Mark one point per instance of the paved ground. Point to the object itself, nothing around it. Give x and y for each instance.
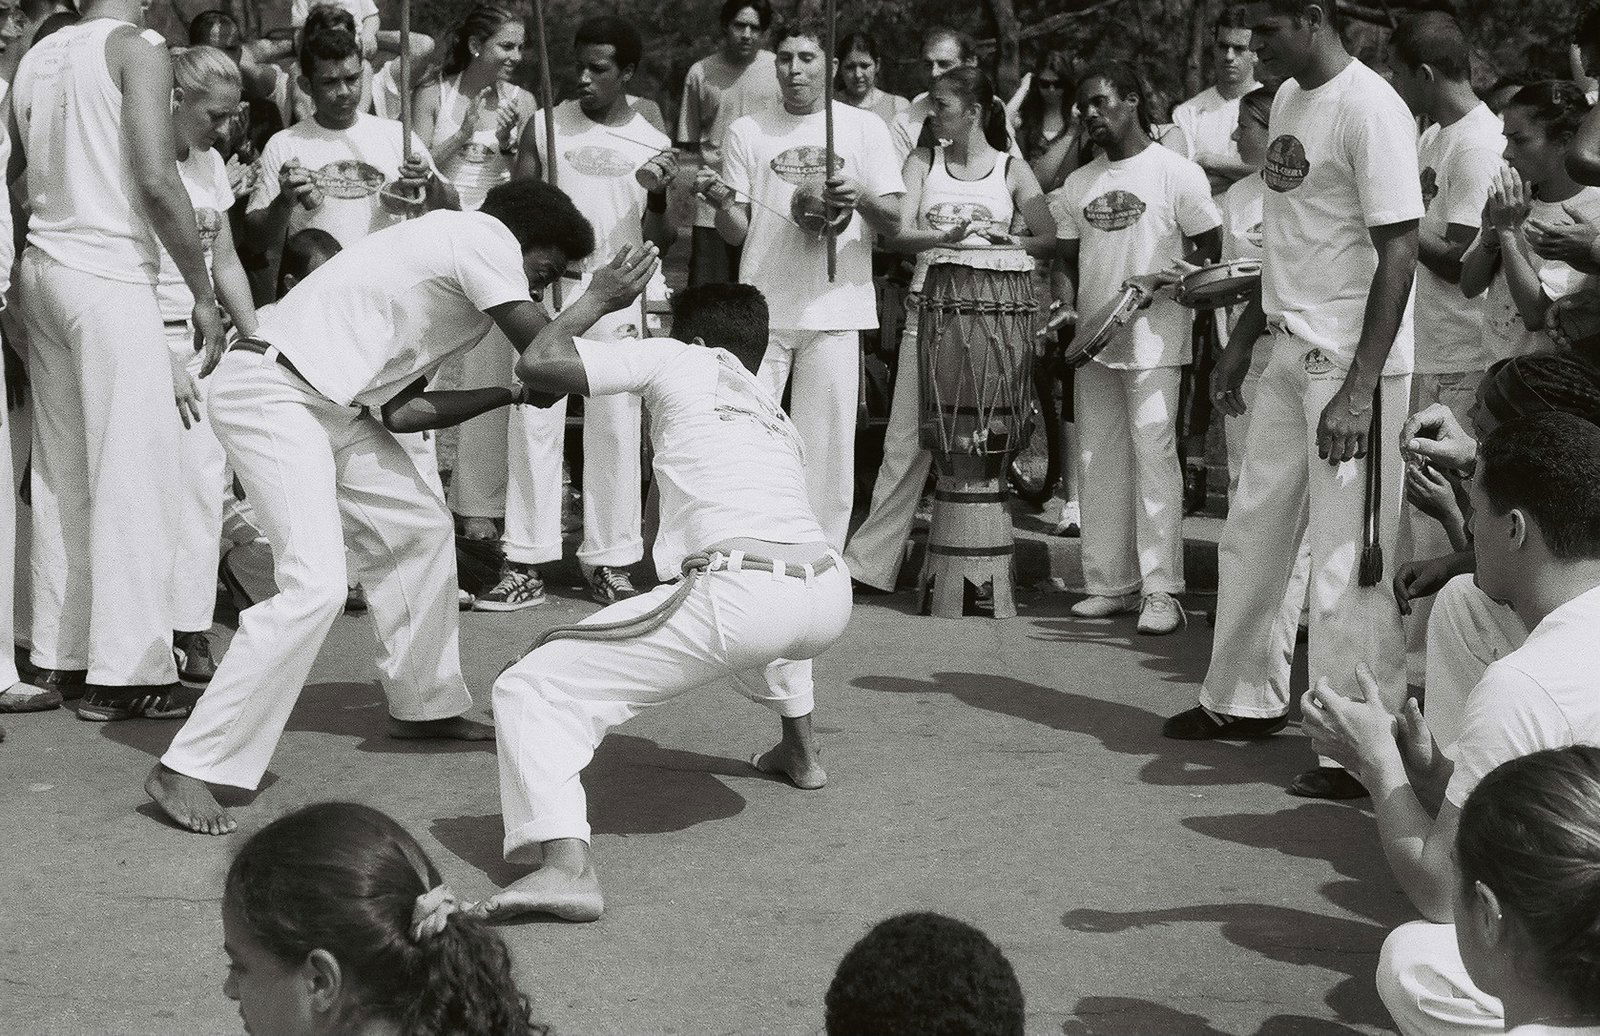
(1008, 773)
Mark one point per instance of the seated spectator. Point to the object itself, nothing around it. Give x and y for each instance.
(335, 920)
(1535, 499)
(928, 975)
(1528, 906)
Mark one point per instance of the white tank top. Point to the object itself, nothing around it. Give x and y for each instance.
(80, 181)
(479, 165)
(946, 201)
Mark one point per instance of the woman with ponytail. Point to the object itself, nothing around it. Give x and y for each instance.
(335, 921)
(968, 193)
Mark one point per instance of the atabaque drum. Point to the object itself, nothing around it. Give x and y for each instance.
(977, 317)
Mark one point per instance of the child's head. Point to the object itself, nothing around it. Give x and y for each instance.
(302, 253)
(924, 973)
(723, 316)
(1539, 122)
(334, 917)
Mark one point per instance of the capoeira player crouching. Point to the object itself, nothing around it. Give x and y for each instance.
(289, 403)
(762, 592)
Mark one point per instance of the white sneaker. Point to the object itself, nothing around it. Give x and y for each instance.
(1160, 614)
(1070, 523)
(1105, 607)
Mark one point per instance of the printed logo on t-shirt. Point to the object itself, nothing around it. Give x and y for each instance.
(1253, 235)
(947, 215)
(805, 164)
(348, 178)
(1114, 210)
(476, 153)
(1316, 362)
(1286, 164)
(1430, 186)
(209, 223)
(602, 162)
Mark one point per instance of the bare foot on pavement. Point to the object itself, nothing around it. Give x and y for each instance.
(188, 802)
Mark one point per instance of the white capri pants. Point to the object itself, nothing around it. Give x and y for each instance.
(200, 479)
(878, 547)
(826, 369)
(105, 430)
(1426, 988)
(1131, 488)
(1287, 493)
(554, 706)
(303, 460)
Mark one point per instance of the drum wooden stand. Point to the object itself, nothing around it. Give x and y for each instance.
(969, 540)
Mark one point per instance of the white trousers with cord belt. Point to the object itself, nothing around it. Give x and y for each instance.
(825, 369)
(303, 460)
(877, 549)
(198, 491)
(104, 433)
(1287, 492)
(554, 706)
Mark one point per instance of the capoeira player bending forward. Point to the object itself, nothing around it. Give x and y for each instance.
(290, 405)
(762, 592)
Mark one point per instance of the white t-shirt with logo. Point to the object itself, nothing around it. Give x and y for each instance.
(1343, 159)
(716, 92)
(1208, 120)
(351, 166)
(728, 460)
(1458, 164)
(1130, 217)
(1542, 695)
(205, 177)
(1504, 333)
(767, 156)
(392, 307)
(1241, 207)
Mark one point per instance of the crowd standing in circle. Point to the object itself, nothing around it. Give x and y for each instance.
(240, 283)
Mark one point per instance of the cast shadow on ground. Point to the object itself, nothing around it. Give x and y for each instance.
(635, 787)
(1338, 835)
(1299, 937)
(227, 798)
(1129, 1016)
(1120, 728)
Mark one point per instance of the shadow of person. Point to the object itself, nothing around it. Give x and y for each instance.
(1121, 728)
(359, 710)
(1335, 834)
(634, 787)
(1298, 937)
(1130, 1016)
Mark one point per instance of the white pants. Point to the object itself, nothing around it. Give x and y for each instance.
(303, 460)
(105, 433)
(1422, 537)
(523, 481)
(1287, 493)
(877, 549)
(826, 369)
(1426, 988)
(199, 477)
(554, 706)
(1131, 489)
(1466, 633)
(8, 532)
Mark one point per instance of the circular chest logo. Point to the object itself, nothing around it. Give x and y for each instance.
(602, 162)
(1114, 210)
(348, 178)
(947, 215)
(209, 223)
(1286, 164)
(1316, 362)
(1430, 186)
(805, 164)
(477, 154)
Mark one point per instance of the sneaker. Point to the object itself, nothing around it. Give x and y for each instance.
(1160, 614)
(1070, 524)
(519, 587)
(192, 652)
(609, 585)
(1105, 607)
(25, 697)
(107, 704)
(1197, 724)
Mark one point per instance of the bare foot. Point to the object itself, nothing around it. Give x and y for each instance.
(801, 768)
(188, 802)
(455, 728)
(479, 529)
(548, 890)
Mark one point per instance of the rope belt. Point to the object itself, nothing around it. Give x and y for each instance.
(260, 348)
(694, 566)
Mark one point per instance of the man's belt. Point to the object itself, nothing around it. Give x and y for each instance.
(260, 348)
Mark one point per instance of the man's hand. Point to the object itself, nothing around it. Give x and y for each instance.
(1430, 492)
(708, 185)
(1358, 735)
(209, 337)
(414, 172)
(1227, 378)
(1418, 750)
(1434, 435)
(186, 392)
(1345, 426)
(842, 193)
(1419, 579)
(1573, 321)
(242, 176)
(1567, 243)
(295, 183)
(618, 283)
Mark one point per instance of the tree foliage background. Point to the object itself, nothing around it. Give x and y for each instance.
(1166, 38)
